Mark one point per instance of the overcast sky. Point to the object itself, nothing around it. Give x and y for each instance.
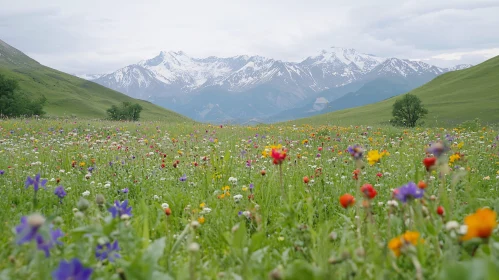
(101, 36)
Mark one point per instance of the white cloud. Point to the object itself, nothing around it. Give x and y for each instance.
(100, 36)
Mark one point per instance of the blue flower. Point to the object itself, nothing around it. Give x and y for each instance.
(73, 270)
(408, 192)
(183, 178)
(28, 229)
(120, 209)
(108, 251)
(46, 243)
(125, 190)
(2, 172)
(60, 192)
(35, 182)
(438, 149)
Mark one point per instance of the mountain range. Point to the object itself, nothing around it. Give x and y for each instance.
(243, 87)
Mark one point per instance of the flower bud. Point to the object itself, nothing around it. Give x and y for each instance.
(36, 220)
(100, 199)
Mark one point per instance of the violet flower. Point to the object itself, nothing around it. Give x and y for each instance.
(108, 251)
(356, 151)
(73, 270)
(120, 209)
(408, 192)
(35, 182)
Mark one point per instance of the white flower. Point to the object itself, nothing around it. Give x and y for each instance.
(233, 180)
(86, 193)
(393, 203)
(194, 247)
(88, 176)
(451, 225)
(238, 197)
(380, 203)
(463, 229)
(62, 171)
(165, 205)
(155, 197)
(107, 185)
(205, 210)
(247, 214)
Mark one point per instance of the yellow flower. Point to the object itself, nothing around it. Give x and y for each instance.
(201, 220)
(453, 158)
(226, 188)
(480, 224)
(244, 188)
(460, 145)
(373, 157)
(202, 205)
(82, 164)
(305, 141)
(408, 238)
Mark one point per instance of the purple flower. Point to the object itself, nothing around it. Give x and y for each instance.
(120, 209)
(60, 192)
(248, 163)
(408, 192)
(183, 178)
(318, 155)
(28, 229)
(46, 243)
(437, 149)
(2, 172)
(73, 270)
(356, 151)
(90, 169)
(108, 251)
(125, 190)
(35, 182)
(251, 186)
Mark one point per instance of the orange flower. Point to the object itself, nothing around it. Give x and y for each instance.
(306, 180)
(347, 200)
(408, 238)
(480, 224)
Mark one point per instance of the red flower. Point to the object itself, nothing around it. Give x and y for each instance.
(278, 155)
(429, 162)
(319, 149)
(422, 185)
(379, 174)
(440, 211)
(368, 191)
(347, 200)
(306, 180)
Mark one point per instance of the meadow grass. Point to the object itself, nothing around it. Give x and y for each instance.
(201, 208)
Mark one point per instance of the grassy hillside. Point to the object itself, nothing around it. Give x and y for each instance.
(68, 95)
(450, 98)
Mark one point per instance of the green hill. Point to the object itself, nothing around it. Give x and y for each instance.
(68, 95)
(450, 99)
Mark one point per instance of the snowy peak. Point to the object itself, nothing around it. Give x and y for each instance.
(335, 55)
(406, 68)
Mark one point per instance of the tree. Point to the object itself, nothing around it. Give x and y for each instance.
(13, 103)
(408, 110)
(127, 111)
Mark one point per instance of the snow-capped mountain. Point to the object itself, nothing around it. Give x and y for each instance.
(179, 82)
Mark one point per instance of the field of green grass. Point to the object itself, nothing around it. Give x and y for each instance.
(68, 95)
(231, 202)
(451, 98)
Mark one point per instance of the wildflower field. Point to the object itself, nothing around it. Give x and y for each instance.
(112, 200)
